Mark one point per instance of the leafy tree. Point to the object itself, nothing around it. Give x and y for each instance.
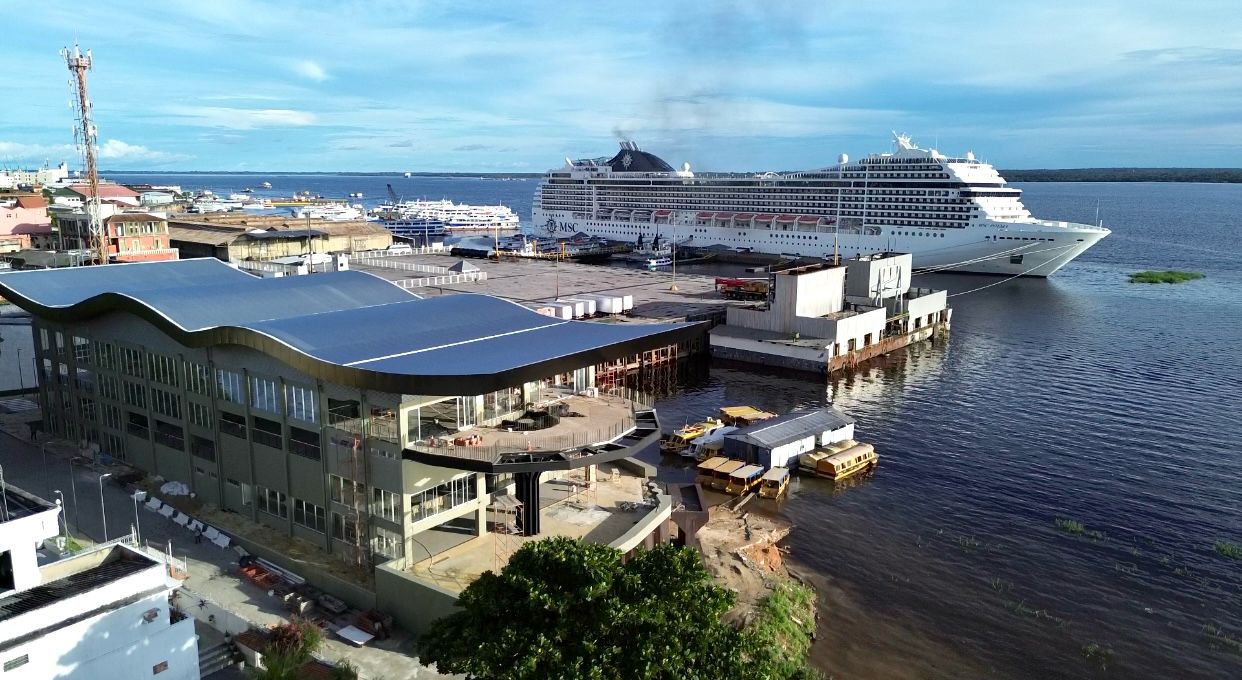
(562, 608)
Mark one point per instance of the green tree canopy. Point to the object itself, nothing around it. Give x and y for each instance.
(566, 609)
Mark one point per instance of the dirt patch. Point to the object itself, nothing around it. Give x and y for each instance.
(741, 551)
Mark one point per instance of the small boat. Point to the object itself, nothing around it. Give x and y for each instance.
(680, 439)
(707, 469)
(656, 262)
(741, 416)
(743, 479)
(247, 190)
(774, 483)
(720, 476)
(266, 185)
(807, 462)
(851, 461)
(708, 445)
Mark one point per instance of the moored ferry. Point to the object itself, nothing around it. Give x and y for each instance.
(952, 213)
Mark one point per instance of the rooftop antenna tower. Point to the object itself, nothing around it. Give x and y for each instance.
(85, 135)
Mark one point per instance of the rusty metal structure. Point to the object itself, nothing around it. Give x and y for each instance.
(86, 137)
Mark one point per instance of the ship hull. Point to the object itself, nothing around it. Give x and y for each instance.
(1035, 249)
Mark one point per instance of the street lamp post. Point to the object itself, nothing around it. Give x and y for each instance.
(21, 377)
(61, 503)
(73, 485)
(103, 512)
(43, 448)
(137, 524)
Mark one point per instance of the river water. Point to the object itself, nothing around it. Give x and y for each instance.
(1080, 397)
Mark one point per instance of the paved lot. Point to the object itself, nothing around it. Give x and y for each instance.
(212, 571)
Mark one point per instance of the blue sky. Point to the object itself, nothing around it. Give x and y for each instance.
(518, 86)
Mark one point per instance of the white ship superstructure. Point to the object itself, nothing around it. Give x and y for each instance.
(950, 213)
(456, 217)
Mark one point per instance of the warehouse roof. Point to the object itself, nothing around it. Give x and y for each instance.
(791, 427)
(347, 327)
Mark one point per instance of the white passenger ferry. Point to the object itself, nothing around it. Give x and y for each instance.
(952, 213)
(456, 217)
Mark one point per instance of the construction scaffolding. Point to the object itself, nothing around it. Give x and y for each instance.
(506, 514)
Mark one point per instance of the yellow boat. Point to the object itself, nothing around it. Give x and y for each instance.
(743, 480)
(680, 439)
(741, 416)
(851, 461)
(707, 468)
(720, 476)
(774, 483)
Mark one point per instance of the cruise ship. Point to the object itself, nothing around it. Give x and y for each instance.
(951, 213)
(456, 217)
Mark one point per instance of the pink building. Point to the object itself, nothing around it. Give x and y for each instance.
(19, 218)
(138, 237)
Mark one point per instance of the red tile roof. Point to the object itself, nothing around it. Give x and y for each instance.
(31, 202)
(105, 191)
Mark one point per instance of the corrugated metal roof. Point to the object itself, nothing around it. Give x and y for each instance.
(349, 320)
(791, 427)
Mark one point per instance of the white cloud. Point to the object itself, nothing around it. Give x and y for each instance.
(309, 69)
(240, 119)
(117, 150)
(21, 152)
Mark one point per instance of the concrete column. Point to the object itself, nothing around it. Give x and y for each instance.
(482, 499)
(528, 493)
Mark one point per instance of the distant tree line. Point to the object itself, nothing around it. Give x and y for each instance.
(1226, 175)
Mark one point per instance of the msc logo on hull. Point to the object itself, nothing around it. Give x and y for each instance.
(552, 226)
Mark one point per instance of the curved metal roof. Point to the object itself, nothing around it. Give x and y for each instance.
(350, 328)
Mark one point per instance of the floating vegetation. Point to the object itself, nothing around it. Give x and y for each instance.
(1227, 549)
(1130, 569)
(1020, 608)
(1219, 638)
(1134, 552)
(967, 544)
(1168, 276)
(1069, 526)
(1100, 654)
(1095, 535)
(999, 584)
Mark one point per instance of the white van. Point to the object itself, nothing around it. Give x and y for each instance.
(400, 249)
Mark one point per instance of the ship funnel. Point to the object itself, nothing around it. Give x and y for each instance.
(970, 155)
(843, 158)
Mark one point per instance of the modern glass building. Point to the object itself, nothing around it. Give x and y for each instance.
(336, 407)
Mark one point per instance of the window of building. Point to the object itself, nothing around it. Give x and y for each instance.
(43, 339)
(135, 393)
(6, 577)
(385, 504)
(301, 403)
(105, 355)
(166, 403)
(272, 502)
(109, 388)
(304, 442)
(19, 661)
(197, 378)
(159, 668)
(233, 424)
(266, 432)
(199, 414)
(443, 497)
(387, 543)
(60, 342)
(112, 445)
(131, 361)
(229, 386)
(264, 394)
(310, 515)
(137, 425)
(86, 409)
(162, 369)
(169, 435)
(202, 447)
(81, 350)
(346, 528)
(111, 416)
(345, 491)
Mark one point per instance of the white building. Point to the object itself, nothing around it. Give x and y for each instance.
(103, 613)
(825, 317)
(149, 198)
(42, 177)
(777, 442)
